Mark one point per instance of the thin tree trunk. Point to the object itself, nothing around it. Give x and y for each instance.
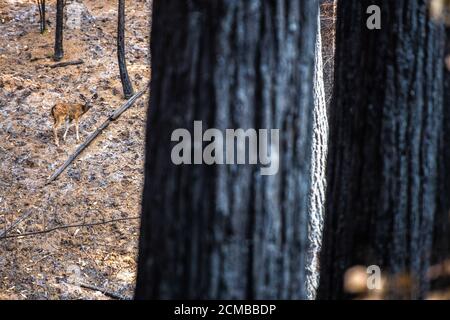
(43, 22)
(225, 231)
(126, 83)
(59, 51)
(385, 125)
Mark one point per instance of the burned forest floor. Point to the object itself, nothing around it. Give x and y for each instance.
(103, 184)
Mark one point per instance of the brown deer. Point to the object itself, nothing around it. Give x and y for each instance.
(66, 112)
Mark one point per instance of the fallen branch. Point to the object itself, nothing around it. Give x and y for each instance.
(104, 292)
(65, 64)
(94, 135)
(15, 223)
(80, 225)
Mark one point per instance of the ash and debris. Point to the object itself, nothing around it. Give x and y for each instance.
(104, 183)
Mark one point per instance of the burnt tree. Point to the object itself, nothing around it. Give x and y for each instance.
(385, 126)
(441, 250)
(225, 231)
(125, 79)
(59, 51)
(42, 9)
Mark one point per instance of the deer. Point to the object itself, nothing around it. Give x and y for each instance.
(68, 113)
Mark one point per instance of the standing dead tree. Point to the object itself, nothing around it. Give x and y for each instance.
(441, 232)
(42, 22)
(125, 79)
(384, 151)
(59, 51)
(225, 231)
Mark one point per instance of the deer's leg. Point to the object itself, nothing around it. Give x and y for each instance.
(77, 130)
(67, 129)
(55, 132)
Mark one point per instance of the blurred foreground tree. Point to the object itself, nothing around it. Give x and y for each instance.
(441, 250)
(225, 231)
(59, 51)
(125, 79)
(385, 128)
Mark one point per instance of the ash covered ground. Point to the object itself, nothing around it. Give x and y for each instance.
(104, 183)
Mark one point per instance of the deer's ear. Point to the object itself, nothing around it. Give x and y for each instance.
(95, 96)
(83, 97)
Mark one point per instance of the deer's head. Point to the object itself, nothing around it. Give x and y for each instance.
(88, 102)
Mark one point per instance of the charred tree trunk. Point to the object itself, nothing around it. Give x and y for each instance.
(42, 9)
(441, 250)
(385, 125)
(59, 51)
(225, 231)
(126, 83)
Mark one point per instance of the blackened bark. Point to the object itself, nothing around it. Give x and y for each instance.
(226, 231)
(59, 51)
(42, 9)
(385, 124)
(43, 21)
(125, 79)
(441, 250)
